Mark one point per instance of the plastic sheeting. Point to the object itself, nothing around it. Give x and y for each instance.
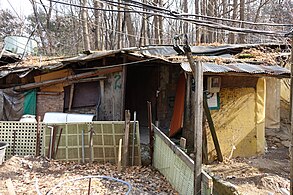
(11, 104)
(14, 104)
(30, 102)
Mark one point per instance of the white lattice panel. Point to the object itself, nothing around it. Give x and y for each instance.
(21, 137)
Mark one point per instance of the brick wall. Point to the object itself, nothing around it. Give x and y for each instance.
(49, 103)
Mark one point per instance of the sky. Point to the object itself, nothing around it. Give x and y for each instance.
(22, 7)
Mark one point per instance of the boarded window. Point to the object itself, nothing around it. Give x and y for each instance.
(85, 94)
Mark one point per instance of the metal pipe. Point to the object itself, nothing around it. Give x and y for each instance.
(51, 141)
(133, 137)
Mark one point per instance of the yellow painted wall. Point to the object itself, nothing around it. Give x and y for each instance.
(240, 122)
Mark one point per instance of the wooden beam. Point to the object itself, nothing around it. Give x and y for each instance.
(126, 139)
(89, 80)
(198, 111)
(71, 97)
(212, 128)
(66, 79)
(291, 117)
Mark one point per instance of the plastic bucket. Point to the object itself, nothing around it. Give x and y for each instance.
(3, 146)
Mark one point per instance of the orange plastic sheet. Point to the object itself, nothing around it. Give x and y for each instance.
(177, 118)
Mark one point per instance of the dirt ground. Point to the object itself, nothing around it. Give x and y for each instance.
(24, 172)
(264, 174)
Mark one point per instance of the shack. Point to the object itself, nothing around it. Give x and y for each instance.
(105, 83)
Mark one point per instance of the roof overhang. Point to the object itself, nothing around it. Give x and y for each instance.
(239, 69)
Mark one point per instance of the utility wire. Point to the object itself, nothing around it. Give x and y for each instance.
(119, 32)
(174, 15)
(198, 15)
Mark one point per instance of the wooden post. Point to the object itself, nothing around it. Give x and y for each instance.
(38, 143)
(58, 142)
(119, 155)
(198, 111)
(71, 97)
(291, 116)
(126, 139)
(212, 128)
(183, 142)
(151, 130)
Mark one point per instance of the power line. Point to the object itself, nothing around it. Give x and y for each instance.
(119, 32)
(199, 15)
(174, 15)
(14, 10)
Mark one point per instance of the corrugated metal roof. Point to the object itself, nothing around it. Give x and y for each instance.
(93, 56)
(240, 68)
(198, 50)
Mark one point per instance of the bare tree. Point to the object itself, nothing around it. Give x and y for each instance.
(85, 30)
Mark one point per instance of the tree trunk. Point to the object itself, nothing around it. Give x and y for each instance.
(185, 10)
(119, 29)
(97, 25)
(39, 28)
(156, 26)
(234, 15)
(85, 30)
(197, 32)
(130, 28)
(242, 8)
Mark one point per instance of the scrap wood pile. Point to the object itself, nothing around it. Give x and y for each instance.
(28, 172)
(264, 174)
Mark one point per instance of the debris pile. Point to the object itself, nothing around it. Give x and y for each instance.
(277, 138)
(264, 174)
(24, 172)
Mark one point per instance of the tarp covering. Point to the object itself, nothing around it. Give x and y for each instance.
(14, 104)
(30, 102)
(11, 104)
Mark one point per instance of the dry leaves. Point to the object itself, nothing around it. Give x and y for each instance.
(25, 171)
